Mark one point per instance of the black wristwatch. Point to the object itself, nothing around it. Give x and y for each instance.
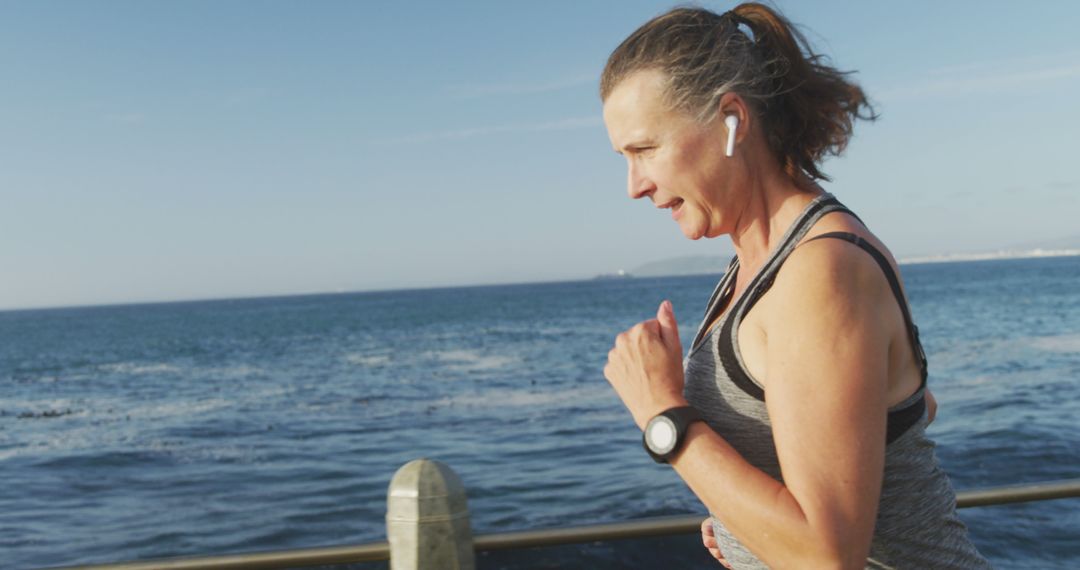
(664, 433)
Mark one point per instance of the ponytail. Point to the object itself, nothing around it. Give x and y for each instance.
(813, 107)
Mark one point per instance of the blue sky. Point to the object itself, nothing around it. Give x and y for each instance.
(180, 150)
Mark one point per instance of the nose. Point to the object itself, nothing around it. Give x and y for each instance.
(638, 184)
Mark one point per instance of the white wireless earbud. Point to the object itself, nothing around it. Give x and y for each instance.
(732, 123)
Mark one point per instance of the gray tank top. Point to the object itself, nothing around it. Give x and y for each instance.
(916, 526)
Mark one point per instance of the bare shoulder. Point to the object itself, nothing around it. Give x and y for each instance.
(823, 268)
(843, 222)
(827, 272)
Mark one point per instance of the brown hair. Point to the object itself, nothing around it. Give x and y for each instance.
(806, 106)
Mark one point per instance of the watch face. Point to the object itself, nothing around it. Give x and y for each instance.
(660, 434)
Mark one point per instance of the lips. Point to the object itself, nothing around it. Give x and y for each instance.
(675, 205)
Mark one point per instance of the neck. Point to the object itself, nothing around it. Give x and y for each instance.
(775, 200)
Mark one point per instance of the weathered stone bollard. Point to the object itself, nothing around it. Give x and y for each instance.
(427, 519)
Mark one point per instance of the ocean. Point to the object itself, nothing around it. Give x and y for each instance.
(197, 428)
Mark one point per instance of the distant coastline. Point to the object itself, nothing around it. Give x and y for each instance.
(701, 265)
(1002, 254)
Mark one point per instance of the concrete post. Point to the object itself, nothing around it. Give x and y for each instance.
(427, 519)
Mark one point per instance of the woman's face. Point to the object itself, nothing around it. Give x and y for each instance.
(673, 160)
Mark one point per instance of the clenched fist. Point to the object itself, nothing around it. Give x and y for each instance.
(645, 366)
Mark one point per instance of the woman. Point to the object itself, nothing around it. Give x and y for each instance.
(799, 417)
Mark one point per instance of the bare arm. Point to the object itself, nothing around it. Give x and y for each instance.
(826, 388)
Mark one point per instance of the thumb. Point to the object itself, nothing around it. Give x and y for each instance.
(669, 329)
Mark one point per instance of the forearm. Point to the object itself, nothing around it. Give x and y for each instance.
(754, 507)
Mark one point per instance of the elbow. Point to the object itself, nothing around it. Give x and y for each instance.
(842, 551)
(836, 553)
(841, 561)
(822, 538)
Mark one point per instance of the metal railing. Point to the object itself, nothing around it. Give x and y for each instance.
(659, 526)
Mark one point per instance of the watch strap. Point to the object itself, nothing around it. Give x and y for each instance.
(681, 417)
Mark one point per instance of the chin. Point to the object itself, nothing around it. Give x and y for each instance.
(694, 234)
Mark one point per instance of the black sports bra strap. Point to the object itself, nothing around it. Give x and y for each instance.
(722, 285)
(764, 280)
(723, 289)
(894, 283)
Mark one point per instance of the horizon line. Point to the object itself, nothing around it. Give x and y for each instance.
(1001, 255)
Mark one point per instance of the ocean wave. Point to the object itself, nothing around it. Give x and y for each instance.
(139, 368)
(468, 360)
(107, 424)
(531, 398)
(362, 359)
(972, 381)
(182, 408)
(87, 447)
(226, 453)
(17, 405)
(1065, 343)
(232, 372)
(984, 353)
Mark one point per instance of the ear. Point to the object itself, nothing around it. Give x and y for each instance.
(733, 104)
